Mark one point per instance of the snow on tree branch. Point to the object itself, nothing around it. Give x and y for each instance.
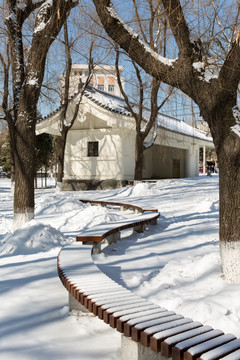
(153, 138)
(114, 15)
(42, 16)
(236, 114)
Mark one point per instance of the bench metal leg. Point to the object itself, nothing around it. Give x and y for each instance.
(153, 222)
(140, 228)
(96, 249)
(112, 238)
(132, 350)
(96, 246)
(75, 305)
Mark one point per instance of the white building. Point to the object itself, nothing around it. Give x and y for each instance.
(104, 78)
(100, 149)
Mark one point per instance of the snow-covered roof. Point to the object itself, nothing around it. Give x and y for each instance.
(117, 104)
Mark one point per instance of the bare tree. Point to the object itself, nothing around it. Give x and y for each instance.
(6, 106)
(207, 69)
(27, 77)
(65, 121)
(143, 125)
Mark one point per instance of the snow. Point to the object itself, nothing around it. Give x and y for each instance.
(42, 18)
(32, 82)
(236, 114)
(163, 60)
(117, 104)
(207, 72)
(174, 264)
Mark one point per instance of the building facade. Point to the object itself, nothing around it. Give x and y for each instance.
(104, 78)
(100, 149)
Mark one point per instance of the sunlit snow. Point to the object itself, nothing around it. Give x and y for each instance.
(175, 264)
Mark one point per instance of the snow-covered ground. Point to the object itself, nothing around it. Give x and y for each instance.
(175, 263)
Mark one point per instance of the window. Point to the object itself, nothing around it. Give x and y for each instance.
(111, 88)
(77, 73)
(93, 148)
(100, 87)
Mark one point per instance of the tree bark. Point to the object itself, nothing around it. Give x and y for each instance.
(24, 160)
(227, 146)
(139, 148)
(27, 78)
(60, 150)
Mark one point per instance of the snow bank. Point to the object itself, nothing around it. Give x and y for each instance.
(32, 238)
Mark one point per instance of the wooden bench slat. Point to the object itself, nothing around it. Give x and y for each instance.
(110, 295)
(116, 305)
(115, 309)
(146, 307)
(133, 322)
(169, 342)
(123, 319)
(197, 350)
(136, 310)
(156, 341)
(117, 300)
(148, 325)
(145, 335)
(112, 309)
(156, 310)
(179, 349)
(93, 305)
(221, 350)
(233, 356)
(133, 310)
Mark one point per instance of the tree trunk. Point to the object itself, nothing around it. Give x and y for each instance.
(229, 191)
(61, 144)
(228, 152)
(12, 144)
(139, 147)
(24, 159)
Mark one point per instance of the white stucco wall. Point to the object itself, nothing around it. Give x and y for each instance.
(115, 160)
(192, 161)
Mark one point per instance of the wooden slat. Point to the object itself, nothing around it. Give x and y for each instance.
(222, 350)
(148, 325)
(157, 339)
(123, 319)
(145, 335)
(196, 351)
(172, 340)
(235, 355)
(133, 307)
(182, 346)
(135, 322)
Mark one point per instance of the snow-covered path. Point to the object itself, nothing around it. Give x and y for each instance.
(175, 264)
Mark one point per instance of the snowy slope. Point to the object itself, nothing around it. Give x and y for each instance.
(175, 264)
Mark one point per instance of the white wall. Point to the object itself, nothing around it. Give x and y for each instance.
(115, 160)
(192, 161)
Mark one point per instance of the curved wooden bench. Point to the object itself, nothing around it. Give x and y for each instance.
(148, 330)
(110, 232)
(122, 206)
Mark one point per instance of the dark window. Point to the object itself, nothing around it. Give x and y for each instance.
(101, 87)
(93, 148)
(111, 88)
